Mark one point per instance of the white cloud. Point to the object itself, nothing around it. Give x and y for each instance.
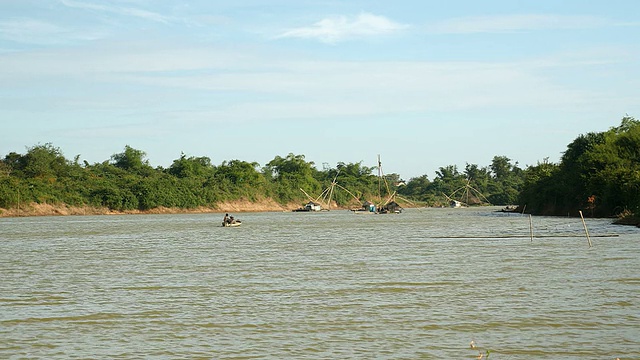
(515, 23)
(250, 85)
(338, 28)
(30, 31)
(126, 11)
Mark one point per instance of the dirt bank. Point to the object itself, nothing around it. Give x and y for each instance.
(36, 209)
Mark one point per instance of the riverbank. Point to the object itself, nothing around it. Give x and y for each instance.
(35, 209)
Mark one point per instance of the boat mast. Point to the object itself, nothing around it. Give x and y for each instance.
(381, 179)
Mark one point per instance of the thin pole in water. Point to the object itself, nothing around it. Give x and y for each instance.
(585, 227)
(531, 227)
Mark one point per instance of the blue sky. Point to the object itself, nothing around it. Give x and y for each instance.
(425, 84)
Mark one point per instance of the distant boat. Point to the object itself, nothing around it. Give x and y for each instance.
(390, 206)
(466, 196)
(511, 208)
(310, 206)
(231, 222)
(324, 199)
(367, 208)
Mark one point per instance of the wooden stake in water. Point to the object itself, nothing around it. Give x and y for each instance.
(585, 228)
(531, 227)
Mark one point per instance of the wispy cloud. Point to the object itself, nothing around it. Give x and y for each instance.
(297, 89)
(125, 11)
(30, 31)
(339, 28)
(515, 23)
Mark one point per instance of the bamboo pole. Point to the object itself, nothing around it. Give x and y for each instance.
(349, 192)
(333, 184)
(308, 196)
(585, 227)
(330, 195)
(531, 227)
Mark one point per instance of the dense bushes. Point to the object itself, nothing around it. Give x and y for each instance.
(497, 184)
(128, 182)
(598, 173)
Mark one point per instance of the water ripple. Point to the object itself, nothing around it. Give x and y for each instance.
(422, 284)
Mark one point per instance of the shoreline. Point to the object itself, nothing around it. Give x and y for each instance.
(238, 206)
(35, 209)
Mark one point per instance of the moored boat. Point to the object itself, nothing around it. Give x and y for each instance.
(310, 206)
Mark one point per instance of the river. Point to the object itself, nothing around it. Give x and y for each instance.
(422, 284)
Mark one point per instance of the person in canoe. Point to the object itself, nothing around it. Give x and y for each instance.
(230, 221)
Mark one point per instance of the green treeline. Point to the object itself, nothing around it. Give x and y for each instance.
(127, 182)
(598, 173)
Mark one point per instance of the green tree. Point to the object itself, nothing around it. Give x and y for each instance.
(289, 175)
(356, 183)
(501, 167)
(447, 181)
(191, 167)
(131, 160)
(241, 179)
(479, 178)
(507, 181)
(598, 171)
(40, 161)
(613, 175)
(540, 191)
(417, 188)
